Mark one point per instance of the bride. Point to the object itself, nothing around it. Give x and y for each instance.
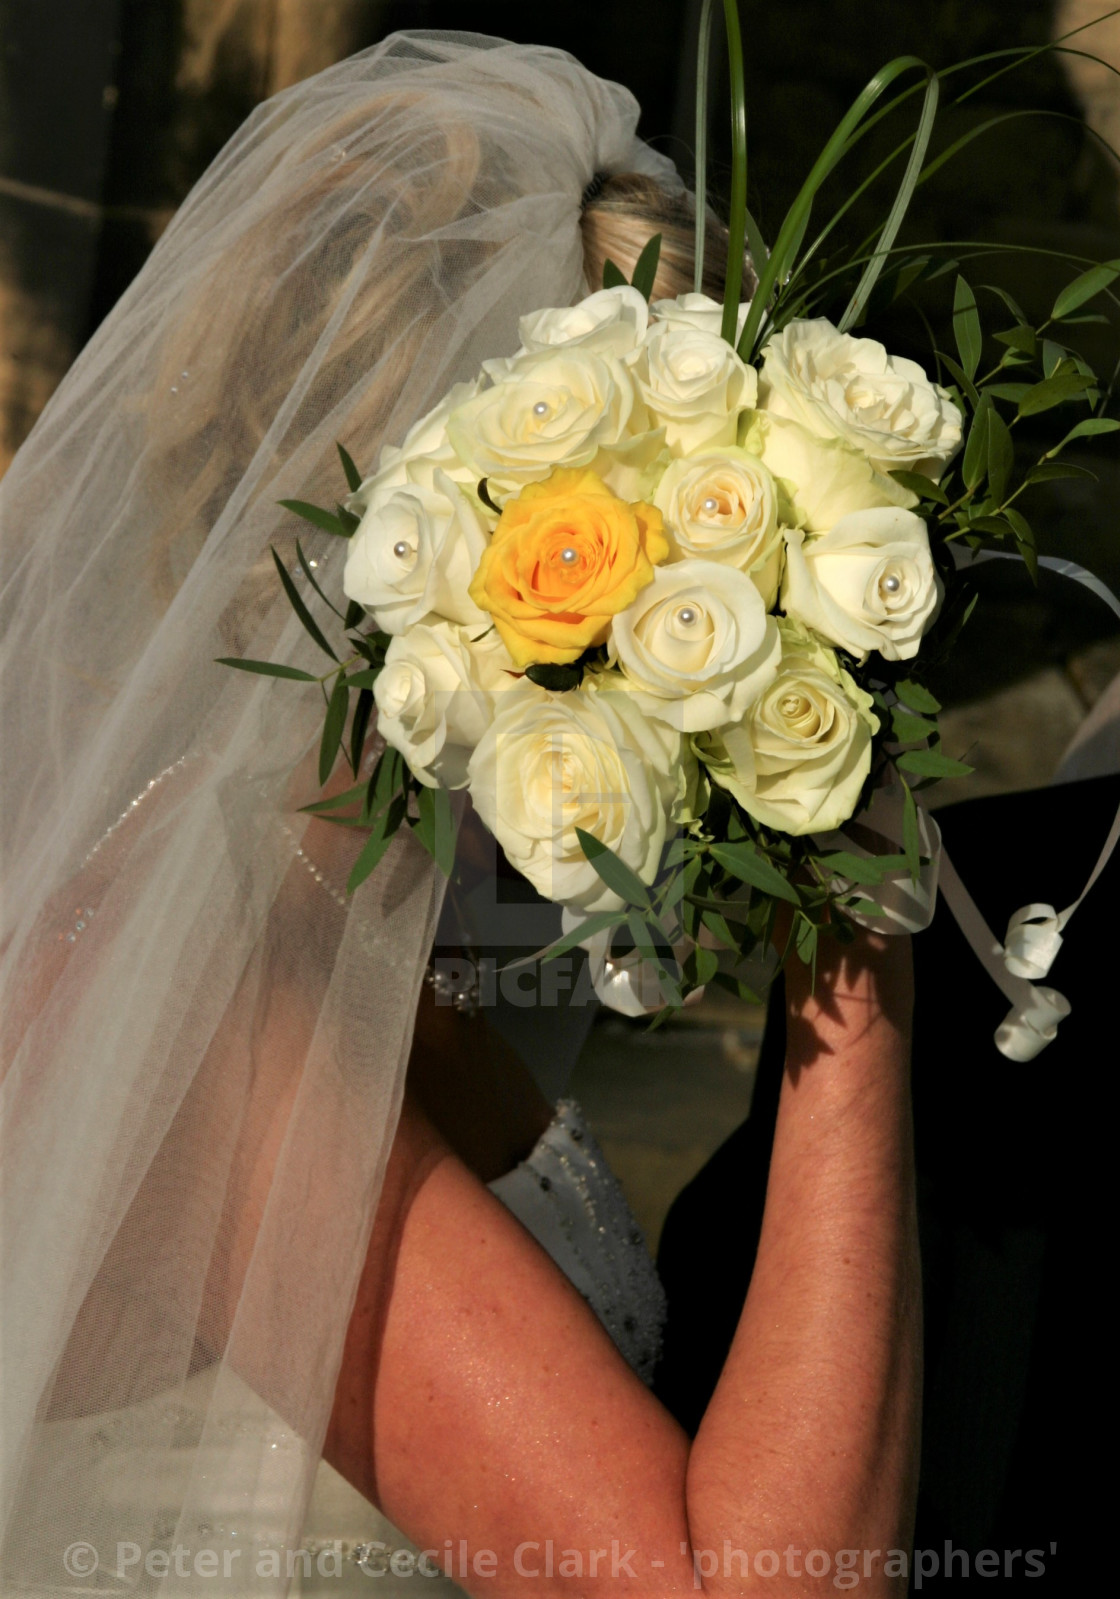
(246, 1220)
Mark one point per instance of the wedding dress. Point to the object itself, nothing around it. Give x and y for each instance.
(203, 1052)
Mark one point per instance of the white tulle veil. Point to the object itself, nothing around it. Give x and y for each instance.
(203, 1040)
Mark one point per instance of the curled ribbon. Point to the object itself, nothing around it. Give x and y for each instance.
(1034, 937)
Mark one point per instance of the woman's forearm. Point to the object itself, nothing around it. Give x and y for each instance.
(811, 1437)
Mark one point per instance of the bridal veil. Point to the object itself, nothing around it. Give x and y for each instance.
(203, 1038)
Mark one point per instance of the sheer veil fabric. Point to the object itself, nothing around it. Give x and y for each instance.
(203, 1040)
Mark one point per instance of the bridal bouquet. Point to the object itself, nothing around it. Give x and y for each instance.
(657, 591)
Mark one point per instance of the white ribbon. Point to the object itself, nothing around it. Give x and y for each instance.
(906, 906)
(1034, 932)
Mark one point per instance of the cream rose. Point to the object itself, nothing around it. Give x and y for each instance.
(610, 322)
(847, 388)
(550, 763)
(722, 506)
(425, 450)
(556, 408)
(868, 584)
(800, 758)
(698, 644)
(435, 697)
(414, 555)
(694, 385)
(821, 480)
(698, 311)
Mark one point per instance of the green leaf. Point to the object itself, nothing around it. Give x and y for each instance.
(910, 729)
(359, 727)
(267, 669)
(337, 707)
(923, 487)
(615, 873)
(1007, 391)
(1012, 305)
(975, 462)
(916, 697)
(1090, 428)
(309, 574)
(966, 327)
(928, 763)
(706, 963)
(735, 986)
(377, 842)
(384, 782)
(806, 940)
(857, 869)
(1052, 357)
(1048, 471)
(319, 518)
(364, 679)
(613, 278)
(901, 202)
(746, 863)
(1084, 288)
(596, 923)
(351, 522)
(296, 601)
(646, 943)
(1053, 391)
(355, 613)
(645, 268)
(1001, 455)
(784, 254)
(435, 826)
(1022, 338)
(717, 925)
(966, 384)
(672, 894)
(911, 836)
(349, 798)
(353, 476)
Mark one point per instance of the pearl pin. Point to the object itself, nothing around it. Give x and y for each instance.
(400, 549)
(710, 504)
(541, 408)
(569, 556)
(686, 616)
(891, 584)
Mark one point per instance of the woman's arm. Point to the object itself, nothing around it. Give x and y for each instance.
(481, 1401)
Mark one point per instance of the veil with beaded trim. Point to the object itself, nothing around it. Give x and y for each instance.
(202, 1051)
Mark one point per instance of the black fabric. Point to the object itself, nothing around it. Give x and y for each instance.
(1013, 1172)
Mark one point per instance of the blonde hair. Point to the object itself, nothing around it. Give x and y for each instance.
(625, 213)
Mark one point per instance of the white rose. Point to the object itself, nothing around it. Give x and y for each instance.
(610, 322)
(697, 311)
(414, 554)
(555, 408)
(426, 449)
(848, 388)
(821, 480)
(695, 385)
(799, 760)
(722, 506)
(698, 643)
(550, 763)
(435, 697)
(868, 584)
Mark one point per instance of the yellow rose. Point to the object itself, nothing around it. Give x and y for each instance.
(566, 556)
